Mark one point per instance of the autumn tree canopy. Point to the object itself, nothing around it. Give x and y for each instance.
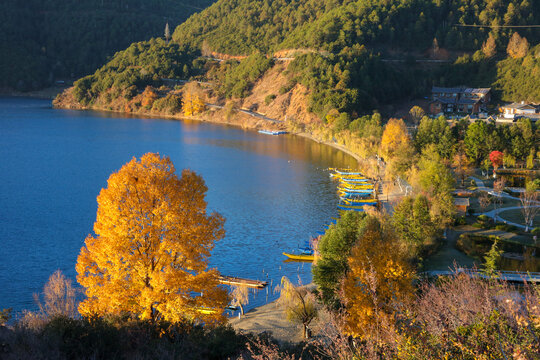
(153, 239)
(379, 281)
(394, 137)
(496, 158)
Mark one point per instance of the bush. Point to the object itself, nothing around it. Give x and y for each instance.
(483, 218)
(460, 221)
(535, 231)
(505, 227)
(269, 98)
(121, 338)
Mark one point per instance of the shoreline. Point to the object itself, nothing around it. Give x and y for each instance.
(331, 144)
(253, 123)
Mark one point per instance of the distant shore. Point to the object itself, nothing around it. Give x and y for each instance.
(48, 93)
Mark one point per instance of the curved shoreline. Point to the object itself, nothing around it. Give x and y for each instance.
(252, 126)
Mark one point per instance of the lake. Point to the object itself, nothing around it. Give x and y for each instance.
(274, 191)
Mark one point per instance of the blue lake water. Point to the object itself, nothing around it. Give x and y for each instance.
(274, 191)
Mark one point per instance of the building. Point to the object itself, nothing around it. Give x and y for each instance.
(462, 205)
(459, 99)
(514, 111)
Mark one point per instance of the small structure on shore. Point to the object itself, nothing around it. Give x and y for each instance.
(232, 280)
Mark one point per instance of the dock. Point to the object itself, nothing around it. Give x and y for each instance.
(232, 280)
(510, 276)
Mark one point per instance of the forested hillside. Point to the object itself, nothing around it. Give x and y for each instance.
(241, 26)
(351, 56)
(46, 40)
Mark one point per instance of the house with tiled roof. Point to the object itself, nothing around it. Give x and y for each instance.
(459, 99)
(522, 109)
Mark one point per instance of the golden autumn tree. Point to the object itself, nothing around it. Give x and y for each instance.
(153, 239)
(394, 137)
(378, 282)
(192, 104)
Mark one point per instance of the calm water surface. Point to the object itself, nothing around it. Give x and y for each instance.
(273, 191)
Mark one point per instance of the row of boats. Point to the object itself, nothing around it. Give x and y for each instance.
(355, 192)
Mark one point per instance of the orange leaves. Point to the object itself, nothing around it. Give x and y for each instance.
(148, 97)
(153, 239)
(379, 281)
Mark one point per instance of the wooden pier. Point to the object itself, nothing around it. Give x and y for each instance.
(510, 276)
(231, 280)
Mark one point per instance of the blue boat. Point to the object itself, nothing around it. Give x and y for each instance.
(357, 181)
(272, 132)
(356, 191)
(355, 207)
(347, 173)
(348, 196)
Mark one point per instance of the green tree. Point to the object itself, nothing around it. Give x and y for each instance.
(434, 179)
(334, 248)
(413, 224)
(491, 259)
(434, 131)
(475, 141)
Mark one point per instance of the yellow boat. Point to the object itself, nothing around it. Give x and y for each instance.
(300, 257)
(206, 311)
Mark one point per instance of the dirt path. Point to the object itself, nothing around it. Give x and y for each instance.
(448, 255)
(271, 318)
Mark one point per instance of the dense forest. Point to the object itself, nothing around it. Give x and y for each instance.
(44, 41)
(353, 56)
(238, 27)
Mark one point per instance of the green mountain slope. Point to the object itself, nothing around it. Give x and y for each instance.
(351, 56)
(44, 40)
(239, 27)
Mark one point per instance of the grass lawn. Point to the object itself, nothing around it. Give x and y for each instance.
(517, 217)
(505, 203)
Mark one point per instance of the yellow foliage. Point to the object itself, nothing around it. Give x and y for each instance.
(192, 104)
(517, 46)
(379, 280)
(394, 137)
(148, 97)
(153, 239)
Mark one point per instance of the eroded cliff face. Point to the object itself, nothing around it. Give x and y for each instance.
(268, 96)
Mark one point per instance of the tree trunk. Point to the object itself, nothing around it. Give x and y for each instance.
(241, 309)
(307, 333)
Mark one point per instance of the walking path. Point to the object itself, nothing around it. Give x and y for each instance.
(481, 187)
(494, 214)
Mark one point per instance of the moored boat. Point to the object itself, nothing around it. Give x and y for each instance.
(272, 132)
(300, 257)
